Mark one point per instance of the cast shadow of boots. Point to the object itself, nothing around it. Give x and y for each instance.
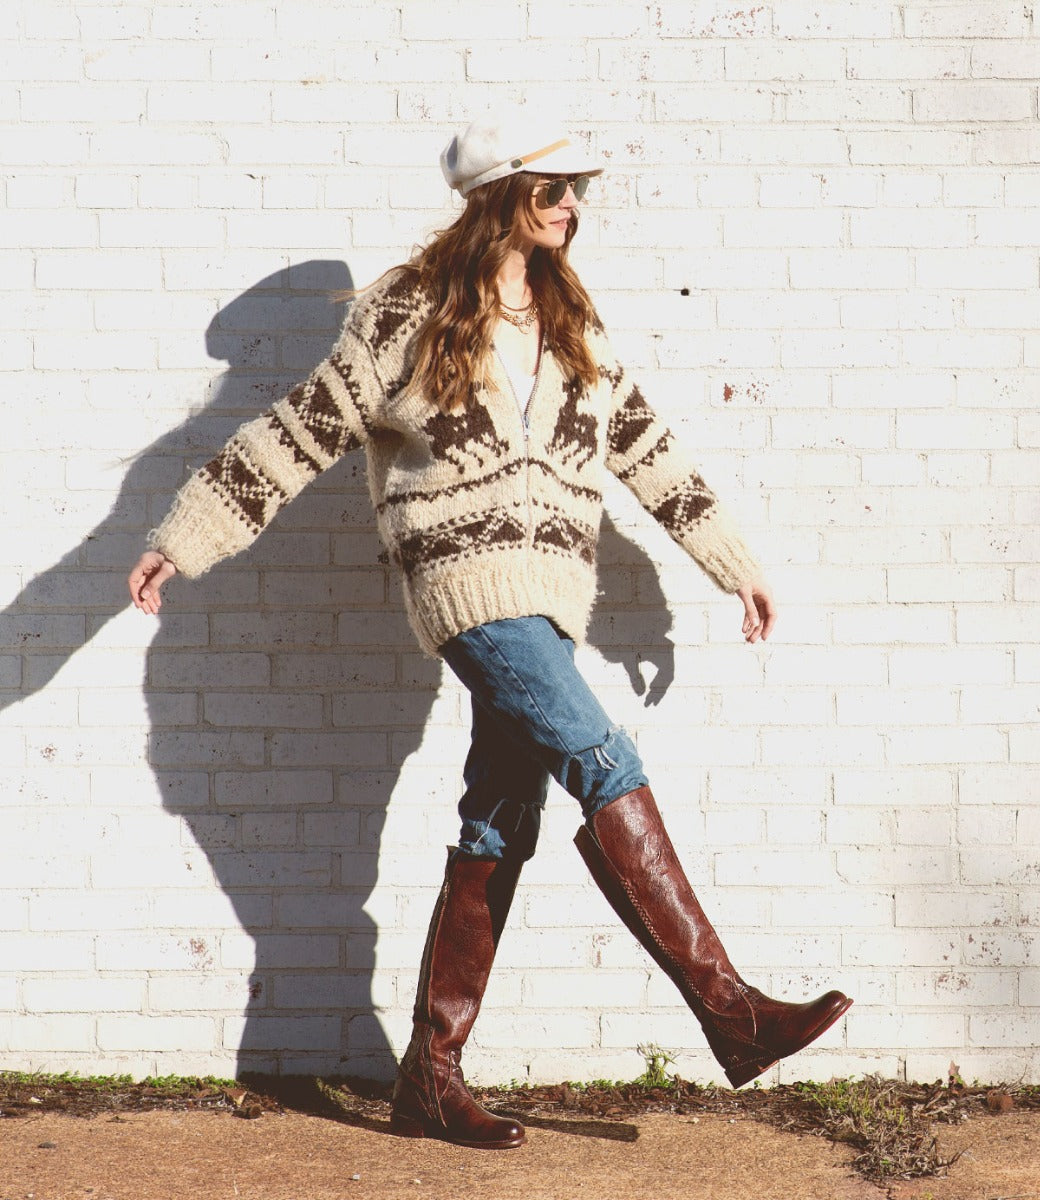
(276, 733)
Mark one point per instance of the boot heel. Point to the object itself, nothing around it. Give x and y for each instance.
(407, 1127)
(745, 1072)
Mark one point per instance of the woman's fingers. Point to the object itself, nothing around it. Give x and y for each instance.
(146, 579)
(759, 610)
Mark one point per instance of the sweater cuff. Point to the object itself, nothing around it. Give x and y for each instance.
(198, 531)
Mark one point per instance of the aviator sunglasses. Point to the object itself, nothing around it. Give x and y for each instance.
(552, 191)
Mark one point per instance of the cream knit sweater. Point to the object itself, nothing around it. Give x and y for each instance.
(490, 512)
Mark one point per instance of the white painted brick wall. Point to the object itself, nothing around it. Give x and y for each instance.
(223, 833)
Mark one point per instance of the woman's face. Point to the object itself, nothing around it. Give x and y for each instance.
(544, 224)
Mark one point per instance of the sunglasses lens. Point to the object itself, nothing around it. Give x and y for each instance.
(555, 192)
(556, 189)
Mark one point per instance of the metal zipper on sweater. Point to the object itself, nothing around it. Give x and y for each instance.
(524, 412)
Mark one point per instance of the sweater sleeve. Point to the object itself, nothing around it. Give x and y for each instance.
(644, 454)
(268, 461)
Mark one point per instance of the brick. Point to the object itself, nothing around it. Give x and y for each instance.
(860, 826)
(914, 228)
(921, 866)
(268, 710)
(1000, 705)
(949, 665)
(936, 745)
(927, 584)
(998, 784)
(785, 147)
(704, 20)
(922, 147)
(658, 61)
(780, 787)
(121, 1033)
(46, 60)
(728, 102)
(925, 828)
(955, 988)
(1027, 664)
(922, 948)
(993, 948)
(1005, 1029)
(774, 868)
(849, 269)
(1012, 146)
(783, 60)
(986, 826)
(91, 995)
(907, 60)
(972, 102)
(848, 103)
(544, 989)
(954, 431)
(1004, 60)
(998, 20)
(869, 1030)
(42, 1034)
(992, 623)
(959, 468)
(993, 1067)
(110, 23)
(974, 268)
(976, 189)
(850, 189)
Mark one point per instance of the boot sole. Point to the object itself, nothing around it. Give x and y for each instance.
(406, 1127)
(745, 1072)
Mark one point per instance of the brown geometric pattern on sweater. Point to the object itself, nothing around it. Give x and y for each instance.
(244, 487)
(568, 536)
(458, 537)
(286, 439)
(321, 416)
(455, 489)
(467, 439)
(645, 461)
(629, 423)
(399, 305)
(574, 436)
(685, 507)
(592, 495)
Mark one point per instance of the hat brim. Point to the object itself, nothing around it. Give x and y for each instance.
(568, 160)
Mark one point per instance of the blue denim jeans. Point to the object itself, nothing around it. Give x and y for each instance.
(534, 718)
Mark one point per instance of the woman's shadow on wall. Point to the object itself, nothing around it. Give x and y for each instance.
(285, 694)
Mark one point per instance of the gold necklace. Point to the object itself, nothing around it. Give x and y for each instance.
(519, 318)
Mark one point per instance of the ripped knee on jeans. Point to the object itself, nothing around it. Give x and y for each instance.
(604, 772)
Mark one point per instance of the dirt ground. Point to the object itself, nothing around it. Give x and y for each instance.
(211, 1155)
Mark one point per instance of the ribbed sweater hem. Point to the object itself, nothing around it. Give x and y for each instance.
(498, 588)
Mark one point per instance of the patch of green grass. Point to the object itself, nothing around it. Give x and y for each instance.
(657, 1061)
(174, 1085)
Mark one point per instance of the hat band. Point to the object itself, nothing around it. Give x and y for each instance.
(517, 163)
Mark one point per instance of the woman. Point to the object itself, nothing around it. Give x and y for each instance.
(480, 383)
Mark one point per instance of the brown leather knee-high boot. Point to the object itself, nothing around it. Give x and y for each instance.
(430, 1096)
(631, 857)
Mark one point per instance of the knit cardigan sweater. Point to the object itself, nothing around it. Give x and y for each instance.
(489, 512)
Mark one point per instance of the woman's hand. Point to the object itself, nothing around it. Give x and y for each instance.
(759, 609)
(146, 580)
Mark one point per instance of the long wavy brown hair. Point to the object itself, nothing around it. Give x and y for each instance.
(458, 269)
